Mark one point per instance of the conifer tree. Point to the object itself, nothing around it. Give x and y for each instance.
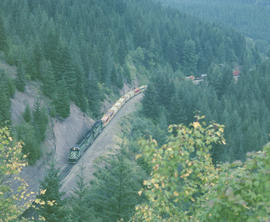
(40, 120)
(53, 209)
(20, 80)
(27, 114)
(4, 100)
(48, 79)
(26, 133)
(79, 209)
(189, 56)
(3, 37)
(4, 108)
(61, 101)
(113, 192)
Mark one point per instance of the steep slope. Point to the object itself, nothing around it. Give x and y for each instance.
(105, 143)
(60, 136)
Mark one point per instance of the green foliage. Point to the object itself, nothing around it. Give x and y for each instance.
(33, 131)
(184, 183)
(189, 56)
(3, 36)
(20, 80)
(27, 114)
(6, 88)
(249, 17)
(51, 206)
(242, 106)
(113, 192)
(26, 133)
(241, 192)
(48, 79)
(79, 209)
(54, 42)
(12, 161)
(40, 121)
(61, 100)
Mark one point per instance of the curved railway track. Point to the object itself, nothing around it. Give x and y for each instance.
(102, 145)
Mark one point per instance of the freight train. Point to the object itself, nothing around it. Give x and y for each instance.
(76, 151)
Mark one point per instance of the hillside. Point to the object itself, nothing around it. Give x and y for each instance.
(251, 17)
(78, 55)
(63, 63)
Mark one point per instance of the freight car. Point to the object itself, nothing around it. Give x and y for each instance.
(76, 151)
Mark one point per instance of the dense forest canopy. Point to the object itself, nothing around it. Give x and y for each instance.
(250, 17)
(83, 51)
(242, 106)
(77, 51)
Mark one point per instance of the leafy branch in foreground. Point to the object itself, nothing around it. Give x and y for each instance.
(185, 185)
(12, 161)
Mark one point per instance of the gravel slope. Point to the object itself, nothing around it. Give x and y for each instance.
(102, 145)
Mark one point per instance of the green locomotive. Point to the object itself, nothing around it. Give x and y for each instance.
(76, 151)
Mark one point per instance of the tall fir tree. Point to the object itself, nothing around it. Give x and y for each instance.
(53, 209)
(20, 80)
(79, 209)
(27, 114)
(61, 100)
(48, 79)
(113, 193)
(190, 58)
(3, 36)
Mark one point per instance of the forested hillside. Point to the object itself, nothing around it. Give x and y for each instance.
(250, 17)
(200, 168)
(242, 106)
(78, 50)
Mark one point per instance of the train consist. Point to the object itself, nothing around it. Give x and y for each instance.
(76, 151)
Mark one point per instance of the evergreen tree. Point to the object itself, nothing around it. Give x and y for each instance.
(40, 120)
(4, 108)
(150, 104)
(93, 94)
(53, 209)
(20, 80)
(113, 193)
(189, 57)
(26, 133)
(48, 79)
(3, 37)
(61, 101)
(80, 99)
(4, 100)
(27, 114)
(80, 211)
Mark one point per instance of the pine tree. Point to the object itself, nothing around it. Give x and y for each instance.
(48, 79)
(113, 192)
(150, 104)
(40, 120)
(53, 209)
(94, 95)
(4, 100)
(79, 209)
(189, 57)
(107, 65)
(27, 114)
(79, 93)
(3, 37)
(26, 133)
(61, 101)
(20, 80)
(4, 108)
